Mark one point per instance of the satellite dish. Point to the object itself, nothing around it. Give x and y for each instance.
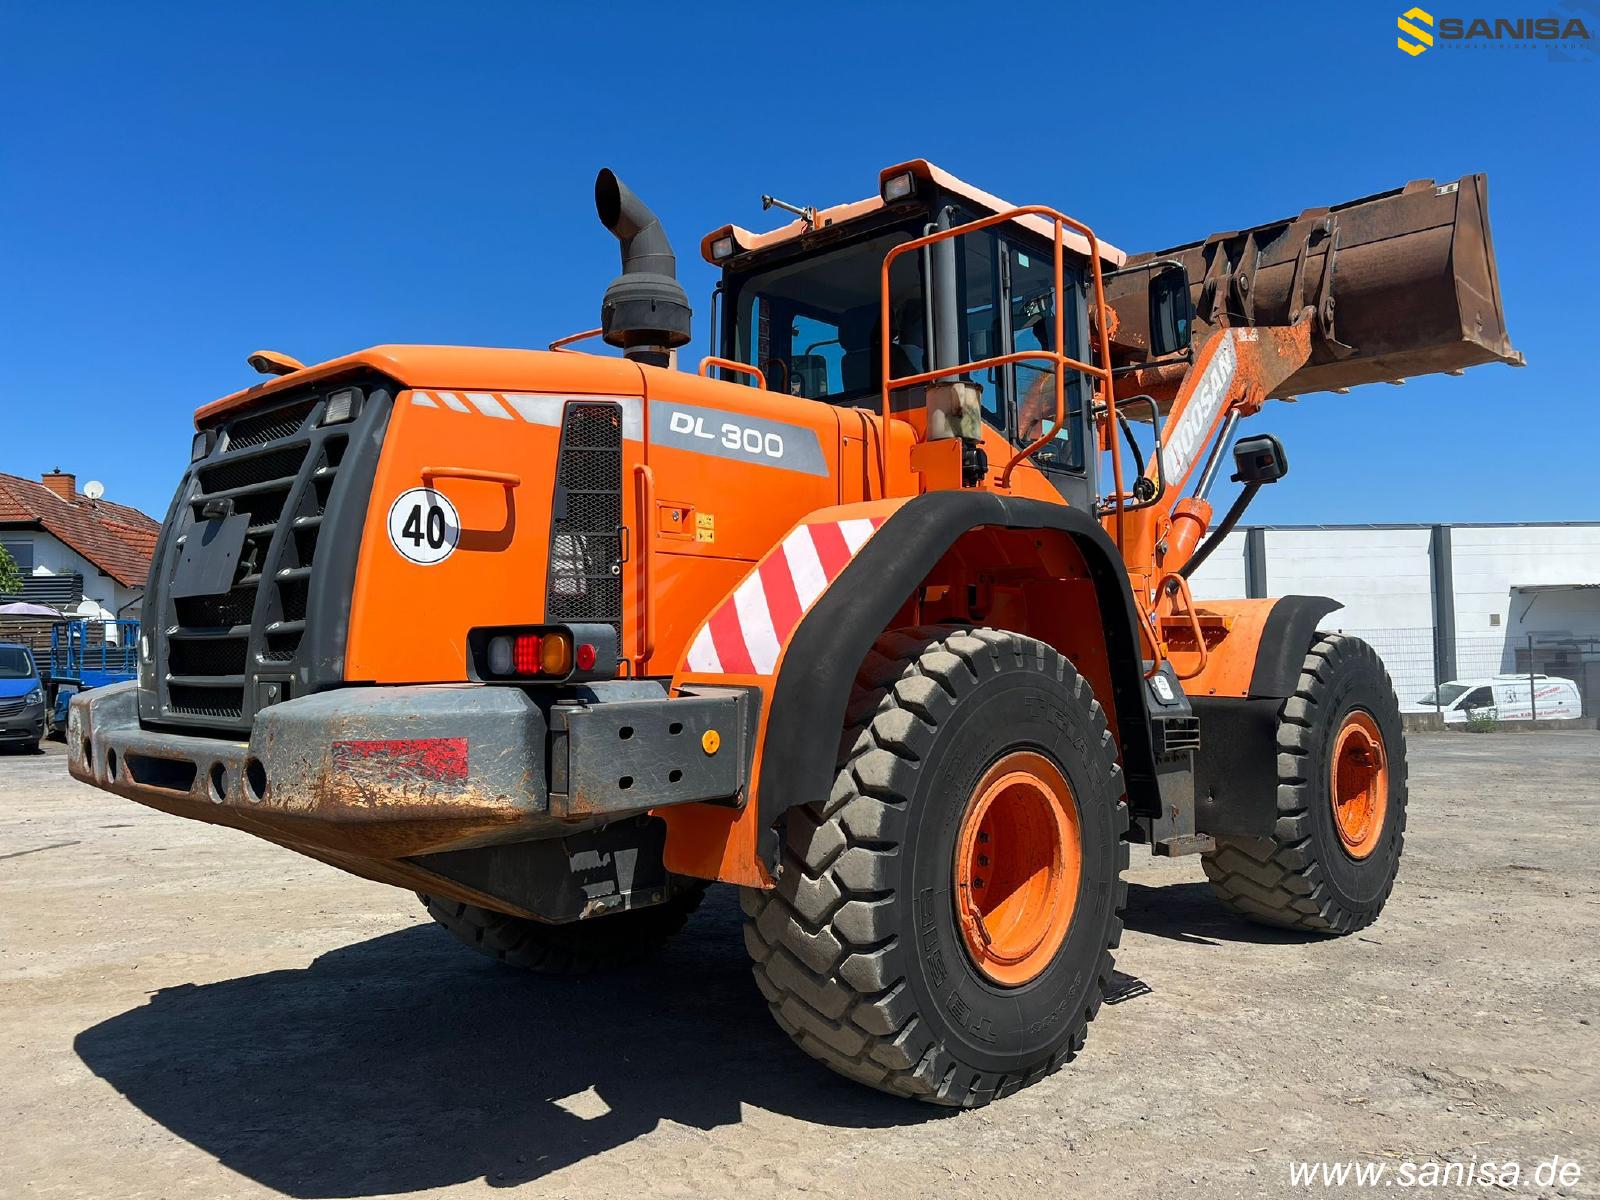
(94, 489)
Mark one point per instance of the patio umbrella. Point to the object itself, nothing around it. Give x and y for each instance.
(22, 608)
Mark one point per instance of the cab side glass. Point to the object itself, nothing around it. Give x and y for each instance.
(1032, 301)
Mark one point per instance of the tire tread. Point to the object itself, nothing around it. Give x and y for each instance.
(578, 948)
(1278, 881)
(847, 1008)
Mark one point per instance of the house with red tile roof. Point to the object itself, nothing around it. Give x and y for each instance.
(79, 555)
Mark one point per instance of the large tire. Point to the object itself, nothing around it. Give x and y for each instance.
(578, 948)
(859, 948)
(1320, 871)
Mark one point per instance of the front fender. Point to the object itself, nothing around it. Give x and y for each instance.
(807, 666)
(1239, 702)
(1266, 641)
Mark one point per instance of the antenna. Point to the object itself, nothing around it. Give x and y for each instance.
(806, 214)
(94, 489)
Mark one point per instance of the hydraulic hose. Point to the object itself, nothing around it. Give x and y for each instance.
(1223, 529)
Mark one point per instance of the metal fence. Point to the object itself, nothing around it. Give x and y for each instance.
(1415, 661)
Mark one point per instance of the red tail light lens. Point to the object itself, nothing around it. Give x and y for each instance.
(586, 656)
(525, 649)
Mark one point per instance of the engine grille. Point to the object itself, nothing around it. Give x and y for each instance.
(213, 653)
(586, 518)
(269, 426)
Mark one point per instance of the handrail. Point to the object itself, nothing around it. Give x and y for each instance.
(560, 344)
(503, 478)
(1062, 361)
(1144, 618)
(644, 487)
(727, 364)
(1194, 618)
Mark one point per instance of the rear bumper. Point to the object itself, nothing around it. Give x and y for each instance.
(391, 772)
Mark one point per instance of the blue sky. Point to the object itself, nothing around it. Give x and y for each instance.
(180, 185)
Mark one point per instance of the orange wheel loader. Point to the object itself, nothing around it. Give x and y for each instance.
(883, 615)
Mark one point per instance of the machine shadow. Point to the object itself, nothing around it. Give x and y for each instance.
(406, 1062)
(1188, 912)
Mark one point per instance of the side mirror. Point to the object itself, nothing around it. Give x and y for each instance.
(1258, 460)
(1171, 310)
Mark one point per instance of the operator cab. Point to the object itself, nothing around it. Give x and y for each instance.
(802, 304)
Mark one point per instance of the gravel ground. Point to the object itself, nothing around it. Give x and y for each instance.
(188, 1012)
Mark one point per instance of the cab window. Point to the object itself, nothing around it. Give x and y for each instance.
(813, 326)
(1479, 698)
(978, 280)
(1032, 311)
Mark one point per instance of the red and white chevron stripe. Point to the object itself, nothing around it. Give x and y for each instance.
(747, 633)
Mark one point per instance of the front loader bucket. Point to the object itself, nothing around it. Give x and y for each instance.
(1399, 284)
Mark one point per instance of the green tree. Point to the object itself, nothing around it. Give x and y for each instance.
(10, 576)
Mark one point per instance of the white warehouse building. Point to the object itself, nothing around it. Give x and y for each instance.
(1439, 602)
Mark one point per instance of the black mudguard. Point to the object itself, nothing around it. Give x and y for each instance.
(1236, 768)
(813, 689)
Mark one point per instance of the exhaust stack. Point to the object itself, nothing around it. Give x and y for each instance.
(645, 310)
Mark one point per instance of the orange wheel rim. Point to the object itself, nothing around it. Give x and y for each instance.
(1359, 783)
(1018, 857)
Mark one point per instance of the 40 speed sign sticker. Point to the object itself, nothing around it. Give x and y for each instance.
(424, 526)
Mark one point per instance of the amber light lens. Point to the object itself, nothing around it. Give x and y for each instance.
(555, 654)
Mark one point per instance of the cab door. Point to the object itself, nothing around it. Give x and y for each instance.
(1478, 702)
(1027, 322)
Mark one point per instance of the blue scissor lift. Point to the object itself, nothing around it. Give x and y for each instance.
(80, 660)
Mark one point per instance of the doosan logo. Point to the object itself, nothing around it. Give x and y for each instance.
(1417, 28)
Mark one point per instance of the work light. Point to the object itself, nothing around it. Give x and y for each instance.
(341, 406)
(898, 187)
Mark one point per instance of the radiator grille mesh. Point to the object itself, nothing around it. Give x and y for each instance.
(586, 525)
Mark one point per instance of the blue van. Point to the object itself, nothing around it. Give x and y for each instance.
(22, 707)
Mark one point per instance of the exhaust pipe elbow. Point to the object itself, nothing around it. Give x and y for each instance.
(645, 310)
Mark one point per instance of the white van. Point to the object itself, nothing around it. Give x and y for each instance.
(1508, 698)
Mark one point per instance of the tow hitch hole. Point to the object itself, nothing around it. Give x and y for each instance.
(219, 782)
(168, 774)
(674, 775)
(675, 728)
(111, 764)
(625, 782)
(88, 752)
(255, 775)
(625, 732)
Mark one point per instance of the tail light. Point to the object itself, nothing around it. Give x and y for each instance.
(543, 653)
